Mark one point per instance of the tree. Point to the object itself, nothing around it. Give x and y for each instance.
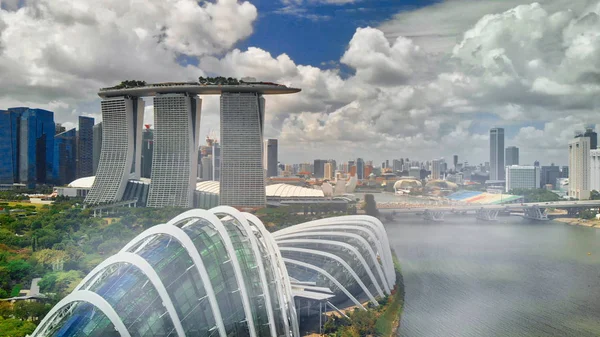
(371, 205)
(11, 327)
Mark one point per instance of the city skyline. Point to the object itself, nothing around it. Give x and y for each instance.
(410, 99)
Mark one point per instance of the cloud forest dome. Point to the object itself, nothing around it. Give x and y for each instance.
(219, 272)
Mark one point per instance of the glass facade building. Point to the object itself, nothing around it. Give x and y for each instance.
(65, 149)
(85, 147)
(219, 272)
(9, 146)
(36, 146)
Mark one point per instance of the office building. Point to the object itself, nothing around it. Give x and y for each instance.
(147, 151)
(360, 169)
(65, 153)
(242, 175)
(526, 177)
(415, 171)
(549, 175)
(455, 162)
(396, 166)
(436, 172)
(592, 135)
(58, 128)
(207, 168)
(512, 156)
(536, 163)
(36, 147)
(564, 172)
(270, 157)
(85, 147)
(579, 168)
(368, 170)
(97, 146)
(175, 157)
(216, 161)
(319, 168)
(595, 170)
(121, 121)
(496, 154)
(9, 147)
(329, 172)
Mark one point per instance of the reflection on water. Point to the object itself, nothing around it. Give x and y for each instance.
(467, 278)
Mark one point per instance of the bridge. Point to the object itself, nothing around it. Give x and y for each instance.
(532, 210)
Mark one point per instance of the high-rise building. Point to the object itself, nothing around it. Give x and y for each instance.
(175, 157)
(415, 171)
(592, 135)
(527, 177)
(497, 154)
(9, 146)
(595, 170)
(319, 168)
(579, 168)
(329, 172)
(536, 163)
(270, 157)
(564, 172)
(216, 161)
(97, 146)
(85, 147)
(549, 175)
(242, 175)
(305, 168)
(207, 168)
(147, 151)
(121, 120)
(65, 149)
(396, 166)
(58, 128)
(512, 156)
(36, 147)
(455, 162)
(368, 170)
(436, 172)
(360, 169)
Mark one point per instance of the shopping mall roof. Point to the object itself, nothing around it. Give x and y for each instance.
(85, 182)
(208, 186)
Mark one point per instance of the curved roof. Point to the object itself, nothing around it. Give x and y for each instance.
(85, 182)
(198, 89)
(218, 272)
(292, 191)
(208, 186)
(407, 183)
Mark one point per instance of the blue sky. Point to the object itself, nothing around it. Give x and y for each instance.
(317, 34)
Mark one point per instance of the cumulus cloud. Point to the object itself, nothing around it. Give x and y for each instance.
(67, 49)
(534, 68)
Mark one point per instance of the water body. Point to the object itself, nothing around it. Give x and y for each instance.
(466, 278)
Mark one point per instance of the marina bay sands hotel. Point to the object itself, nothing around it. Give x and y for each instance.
(177, 109)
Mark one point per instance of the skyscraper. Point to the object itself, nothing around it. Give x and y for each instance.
(85, 147)
(9, 146)
(396, 166)
(455, 162)
(65, 150)
(121, 120)
(549, 175)
(36, 147)
(497, 154)
(242, 175)
(592, 135)
(436, 169)
(360, 169)
(595, 170)
(329, 171)
(216, 161)
(270, 157)
(512, 156)
(97, 146)
(147, 151)
(579, 168)
(319, 168)
(175, 157)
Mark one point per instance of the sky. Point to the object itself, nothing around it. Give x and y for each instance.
(380, 79)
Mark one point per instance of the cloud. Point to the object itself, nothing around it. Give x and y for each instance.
(67, 49)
